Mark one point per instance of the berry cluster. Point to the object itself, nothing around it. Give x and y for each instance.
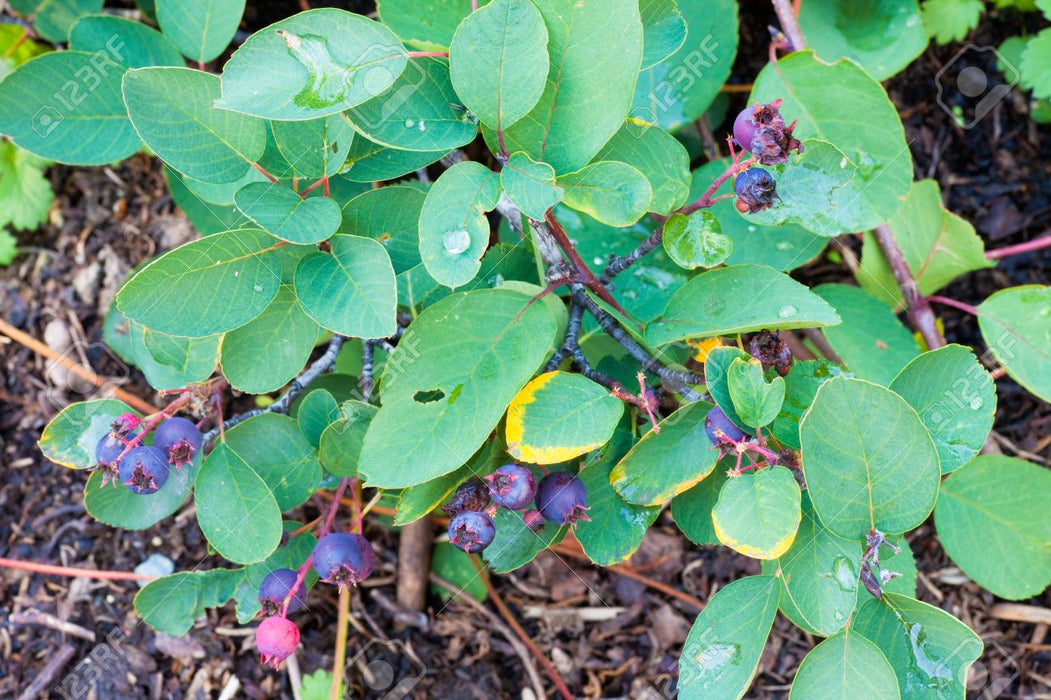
(339, 557)
(145, 469)
(560, 498)
(761, 130)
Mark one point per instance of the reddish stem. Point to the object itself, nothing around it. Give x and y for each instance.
(786, 15)
(73, 571)
(261, 169)
(589, 280)
(919, 309)
(966, 308)
(428, 54)
(323, 181)
(705, 200)
(1019, 248)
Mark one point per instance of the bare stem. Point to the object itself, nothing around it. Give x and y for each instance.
(789, 24)
(1019, 248)
(966, 308)
(920, 311)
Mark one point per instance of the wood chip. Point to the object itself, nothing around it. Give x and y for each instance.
(1021, 613)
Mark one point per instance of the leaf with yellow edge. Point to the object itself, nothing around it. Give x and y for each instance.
(558, 416)
(758, 513)
(70, 438)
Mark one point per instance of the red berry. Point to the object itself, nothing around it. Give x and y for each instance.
(276, 638)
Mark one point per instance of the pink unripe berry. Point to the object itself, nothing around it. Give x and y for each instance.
(276, 638)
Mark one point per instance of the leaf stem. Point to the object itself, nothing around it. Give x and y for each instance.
(428, 54)
(263, 170)
(589, 279)
(1037, 243)
(789, 24)
(966, 308)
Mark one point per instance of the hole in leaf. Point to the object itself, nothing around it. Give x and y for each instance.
(428, 396)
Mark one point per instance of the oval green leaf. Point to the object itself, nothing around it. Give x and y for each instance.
(845, 667)
(287, 215)
(341, 443)
(758, 513)
(530, 185)
(611, 192)
(696, 240)
(1016, 325)
(134, 44)
(756, 401)
(201, 29)
(71, 437)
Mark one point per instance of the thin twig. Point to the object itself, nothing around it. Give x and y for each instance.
(789, 24)
(341, 644)
(920, 311)
(73, 571)
(1027, 247)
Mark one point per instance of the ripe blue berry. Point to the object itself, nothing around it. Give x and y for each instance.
(179, 439)
(344, 559)
(276, 638)
(471, 495)
(108, 449)
(755, 189)
(144, 470)
(562, 498)
(721, 431)
(471, 531)
(274, 589)
(512, 486)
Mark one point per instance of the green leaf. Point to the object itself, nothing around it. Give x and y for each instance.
(801, 385)
(208, 218)
(818, 576)
(658, 156)
(843, 667)
(664, 464)
(498, 341)
(172, 111)
(341, 443)
(419, 112)
(316, 147)
(116, 506)
(499, 62)
(312, 64)
(454, 232)
(235, 508)
(201, 29)
(696, 240)
(52, 19)
(270, 350)
(756, 401)
(530, 185)
(286, 214)
(370, 162)
(1036, 67)
(173, 603)
(869, 134)
(576, 115)
(929, 649)
(938, 246)
(25, 193)
(614, 193)
(723, 648)
(868, 459)
(617, 527)
(8, 247)
(350, 290)
(947, 21)
(424, 24)
(692, 509)
(678, 90)
(559, 416)
(739, 299)
(882, 37)
(172, 362)
(46, 111)
(872, 342)
(207, 286)
(758, 513)
(993, 521)
(663, 30)
(955, 398)
(419, 500)
(133, 44)
(1016, 325)
(515, 544)
(280, 454)
(317, 411)
(390, 215)
(783, 247)
(71, 436)
(449, 564)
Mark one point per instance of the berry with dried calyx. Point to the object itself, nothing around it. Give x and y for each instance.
(755, 189)
(179, 439)
(760, 129)
(512, 486)
(772, 351)
(276, 638)
(562, 498)
(144, 470)
(471, 495)
(276, 587)
(722, 431)
(344, 559)
(124, 425)
(471, 531)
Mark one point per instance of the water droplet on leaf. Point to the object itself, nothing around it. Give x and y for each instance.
(456, 241)
(787, 311)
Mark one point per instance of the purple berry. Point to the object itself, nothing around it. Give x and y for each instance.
(744, 128)
(344, 559)
(179, 439)
(108, 449)
(276, 638)
(144, 470)
(471, 495)
(274, 589)
(562, 498)
(471, 531)
(125, 423)
(755, 189)
(533, 520)
(512, 486)
(721, 431)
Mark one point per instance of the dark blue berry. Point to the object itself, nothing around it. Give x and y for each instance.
(108, 449)
(562, 498)
(179, 439)
(471, 531)
(144, 470)
(471, 495)
(344, 559)
(274, 589)
(512, 486)
(755, 189)
(721, 431)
